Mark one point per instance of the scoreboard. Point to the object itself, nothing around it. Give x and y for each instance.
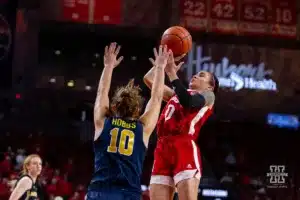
(195, 14)
(243, 17)
(253, 17)
(92, 11)
(224, 16)
(277, 18)
(284, 18)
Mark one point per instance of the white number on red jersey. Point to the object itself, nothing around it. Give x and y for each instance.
(169, 112)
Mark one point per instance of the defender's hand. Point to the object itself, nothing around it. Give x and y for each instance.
(110, 55)
(161, 58)
(176, 59)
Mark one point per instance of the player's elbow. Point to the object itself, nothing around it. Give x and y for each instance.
(147, 82)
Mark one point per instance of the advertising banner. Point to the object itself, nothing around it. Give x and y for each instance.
(252, 79)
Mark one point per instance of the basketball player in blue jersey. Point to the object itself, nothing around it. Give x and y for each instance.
(121, 133)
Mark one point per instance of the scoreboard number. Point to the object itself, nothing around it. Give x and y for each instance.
(254, 13)
(224, 10)
(194, 8)
(283, 16)
(83, 2)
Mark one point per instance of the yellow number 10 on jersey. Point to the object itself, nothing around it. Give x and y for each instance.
(126, 142)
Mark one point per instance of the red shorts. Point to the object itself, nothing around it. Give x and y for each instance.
(175, 159)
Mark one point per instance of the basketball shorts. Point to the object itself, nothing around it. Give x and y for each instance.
(109, 195)
(175, 159)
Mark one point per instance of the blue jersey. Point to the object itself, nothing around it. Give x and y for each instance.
(119, 155)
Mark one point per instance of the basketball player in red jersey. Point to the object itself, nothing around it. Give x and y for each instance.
(177, 162)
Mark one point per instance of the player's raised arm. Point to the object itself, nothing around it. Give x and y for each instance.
(148, 78)
(151, 114)
(101, 107)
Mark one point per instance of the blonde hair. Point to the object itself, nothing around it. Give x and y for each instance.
(27, 162)
(127, 101)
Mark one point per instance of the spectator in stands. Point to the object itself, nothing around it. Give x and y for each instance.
(68, 168)
(75, 196)
(20, 158)
(57, 175)
(6, 166)
(52, 187)
(64, 187)
(47, 172)
(12, 181)
(4, 189)
(58, 198)
(9, 152)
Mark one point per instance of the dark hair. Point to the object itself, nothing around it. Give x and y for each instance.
(127, 101)
(215, 83)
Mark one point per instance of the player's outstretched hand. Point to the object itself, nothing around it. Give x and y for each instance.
(111, 54)
(161, 57)
(171, 65)
(176, 59)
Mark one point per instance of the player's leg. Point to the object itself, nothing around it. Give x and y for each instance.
(161, 184)
(188, 189)
(161, 192)
(131, 196)
(188, 170)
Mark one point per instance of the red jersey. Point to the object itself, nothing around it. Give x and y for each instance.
(177, 120)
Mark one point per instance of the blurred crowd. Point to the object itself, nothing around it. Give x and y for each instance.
(59, 178)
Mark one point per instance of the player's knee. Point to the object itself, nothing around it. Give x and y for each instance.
(161, 192)
(188, 189)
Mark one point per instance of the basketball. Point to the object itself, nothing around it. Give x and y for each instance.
(178, 39)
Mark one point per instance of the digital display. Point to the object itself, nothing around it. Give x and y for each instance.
(194, 14)
(224, 16)
(283, 121)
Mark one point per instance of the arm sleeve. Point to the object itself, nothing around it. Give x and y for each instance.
(192, 101)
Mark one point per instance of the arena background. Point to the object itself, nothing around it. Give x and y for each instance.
(57, 52)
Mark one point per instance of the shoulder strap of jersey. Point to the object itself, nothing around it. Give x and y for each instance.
(106, 120)
(139, 122)
(22, 176)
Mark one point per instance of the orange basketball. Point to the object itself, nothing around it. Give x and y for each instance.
(178, 39)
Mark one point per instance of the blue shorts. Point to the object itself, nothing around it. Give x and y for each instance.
(95, 195)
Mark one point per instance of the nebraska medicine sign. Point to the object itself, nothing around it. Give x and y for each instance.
(230, 74)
